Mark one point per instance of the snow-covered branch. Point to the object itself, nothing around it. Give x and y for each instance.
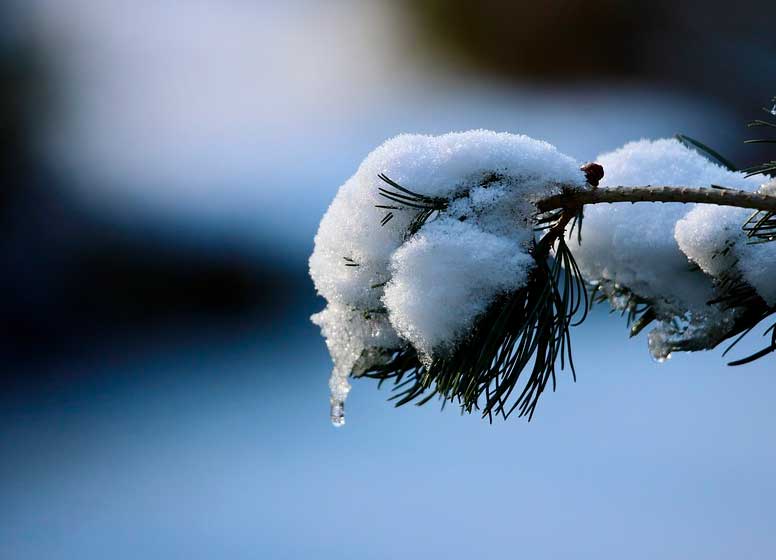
(456, 266)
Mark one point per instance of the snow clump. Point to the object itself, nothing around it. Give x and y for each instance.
(387, 286)
(631, 249)
(713, 238)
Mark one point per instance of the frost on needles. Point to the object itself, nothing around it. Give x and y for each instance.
(442, 277)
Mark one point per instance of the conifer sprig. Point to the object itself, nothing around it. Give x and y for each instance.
(517, 348)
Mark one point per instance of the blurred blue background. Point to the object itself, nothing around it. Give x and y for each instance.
(164, 168)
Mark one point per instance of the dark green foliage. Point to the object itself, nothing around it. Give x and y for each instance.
(516, 348)
(426, 206)
(761, 226)
(704, 150)
(738, 294)
(767, 167)
(522, 341)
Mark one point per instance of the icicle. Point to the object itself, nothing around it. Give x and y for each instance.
(659, 345)
(339, 387)
(337, 412)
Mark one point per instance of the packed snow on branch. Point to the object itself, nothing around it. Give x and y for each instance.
(445, 276)
(630, 252)
(388, 283)
(432, 230)
(712, 237)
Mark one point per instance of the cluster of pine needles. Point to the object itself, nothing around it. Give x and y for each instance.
(519, 346)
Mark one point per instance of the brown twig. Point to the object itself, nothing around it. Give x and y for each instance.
(573, 199)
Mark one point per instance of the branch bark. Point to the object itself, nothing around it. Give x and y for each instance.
(575, 199)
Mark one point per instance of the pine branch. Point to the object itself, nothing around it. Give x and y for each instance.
(530, 328)
(518, 345)
(574, 199)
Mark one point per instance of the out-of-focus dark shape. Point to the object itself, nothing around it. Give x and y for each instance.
(716, 50)
(561, 40)
(76, 285)
(555, 40)
(20, 96)
(70, 281)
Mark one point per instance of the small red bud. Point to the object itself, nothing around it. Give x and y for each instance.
(594, 172)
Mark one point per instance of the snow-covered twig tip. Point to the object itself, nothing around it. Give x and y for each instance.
(451, 267)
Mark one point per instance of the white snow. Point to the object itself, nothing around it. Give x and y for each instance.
(428, 165)
(758, 268)
(632, 246)
(435, 284)
(712, 237)
(706, 232)
(445, 277)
